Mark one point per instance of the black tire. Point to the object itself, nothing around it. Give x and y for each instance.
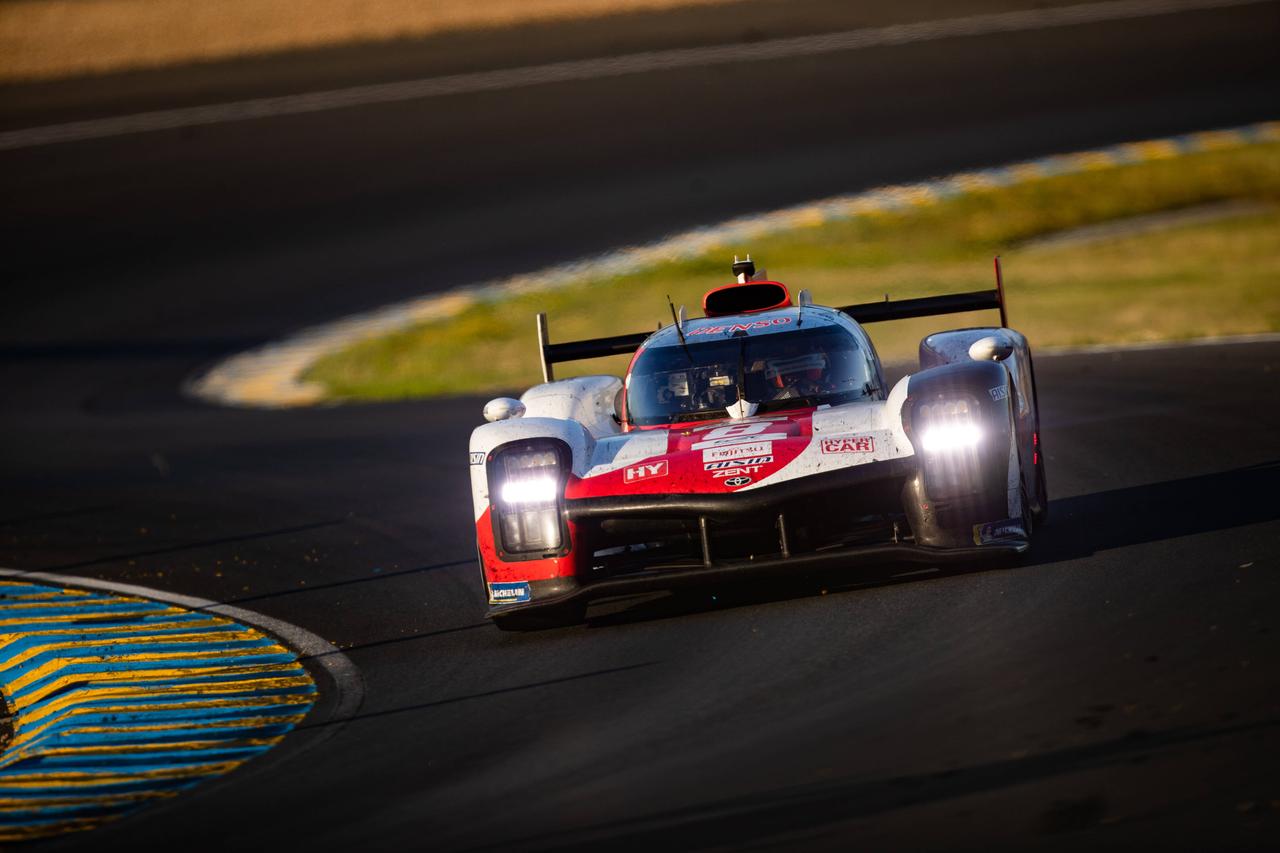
(1041, 513)
(484, 580)
(542, 618)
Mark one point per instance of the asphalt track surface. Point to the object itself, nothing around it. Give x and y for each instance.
(1120, 687)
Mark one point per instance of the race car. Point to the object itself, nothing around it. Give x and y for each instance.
(758, 439)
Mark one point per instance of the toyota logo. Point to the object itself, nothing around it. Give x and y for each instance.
(734, 482)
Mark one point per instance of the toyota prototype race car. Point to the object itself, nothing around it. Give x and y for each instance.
(760, 438)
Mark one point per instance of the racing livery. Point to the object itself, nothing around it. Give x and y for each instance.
(760, 438)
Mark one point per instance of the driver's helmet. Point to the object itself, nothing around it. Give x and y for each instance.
(808, 369)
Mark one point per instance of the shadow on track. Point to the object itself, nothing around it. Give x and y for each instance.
(484, 694)
(424, 635)
(1081, 526)
(801, 809)
(1086, 524)
(54, 516)
(377, 576)
(187, 546)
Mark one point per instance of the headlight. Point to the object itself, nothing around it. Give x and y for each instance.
(525, 485)
(529, 491)
(944, 437)
(948, 425)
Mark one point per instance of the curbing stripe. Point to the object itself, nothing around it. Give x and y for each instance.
(271, 376)
(109, 717)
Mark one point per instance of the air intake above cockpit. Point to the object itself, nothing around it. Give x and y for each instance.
(745, 298)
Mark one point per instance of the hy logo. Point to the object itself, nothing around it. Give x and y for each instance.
(645, 471)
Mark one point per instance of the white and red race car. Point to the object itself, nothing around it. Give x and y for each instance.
(760, 438)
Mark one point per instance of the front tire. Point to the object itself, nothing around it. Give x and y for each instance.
(1041, 513)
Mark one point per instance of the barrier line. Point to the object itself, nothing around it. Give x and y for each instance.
(94, 692)
(200, 622)
(87, 674)
(118, 701)
(97, 645)
(15, 623)
(177, 717)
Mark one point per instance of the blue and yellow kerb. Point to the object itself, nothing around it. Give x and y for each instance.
(117, 701)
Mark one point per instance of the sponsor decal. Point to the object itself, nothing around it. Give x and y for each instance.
(736, 434)
(999, 393)
(739, 327)
(477, 458)
(506, 593)
(734, 463)
(734, 482)
(645, 471)
(737, 451)
(759, 420)
(998, 531)
(849, 444)
(741, 469)
(725, 442)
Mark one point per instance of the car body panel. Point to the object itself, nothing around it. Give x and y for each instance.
(792, 486)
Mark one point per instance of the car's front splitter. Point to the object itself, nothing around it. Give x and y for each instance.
(559, 592)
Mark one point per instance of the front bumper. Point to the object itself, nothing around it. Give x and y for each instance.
(558, 592)
(778, 511)
(745, 503)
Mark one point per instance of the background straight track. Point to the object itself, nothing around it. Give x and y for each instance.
(1120, 687)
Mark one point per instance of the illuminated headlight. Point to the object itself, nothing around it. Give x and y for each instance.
(948, 425)
(529, 491)
(527, 487)
(944, 437)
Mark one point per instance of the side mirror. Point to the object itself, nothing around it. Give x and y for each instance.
(991, 348)
(501, 408)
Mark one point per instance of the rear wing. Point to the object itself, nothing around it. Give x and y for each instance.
(864, 312)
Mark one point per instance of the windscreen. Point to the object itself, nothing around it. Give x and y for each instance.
(806, 367)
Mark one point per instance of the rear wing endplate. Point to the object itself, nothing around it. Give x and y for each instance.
(865, 312)
(578, 350)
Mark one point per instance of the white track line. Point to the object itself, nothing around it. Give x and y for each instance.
(589, 69)
(347, 680)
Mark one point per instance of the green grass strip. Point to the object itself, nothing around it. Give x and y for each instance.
(1166, 282)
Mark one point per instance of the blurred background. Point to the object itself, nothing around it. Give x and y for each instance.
(181, 182)
(307, 210)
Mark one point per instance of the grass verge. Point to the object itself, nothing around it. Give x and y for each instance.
(1212, 278)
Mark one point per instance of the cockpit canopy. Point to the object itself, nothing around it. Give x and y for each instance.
(801, 367)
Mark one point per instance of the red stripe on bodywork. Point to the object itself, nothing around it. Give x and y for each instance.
(498, 570)
(686, 470)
